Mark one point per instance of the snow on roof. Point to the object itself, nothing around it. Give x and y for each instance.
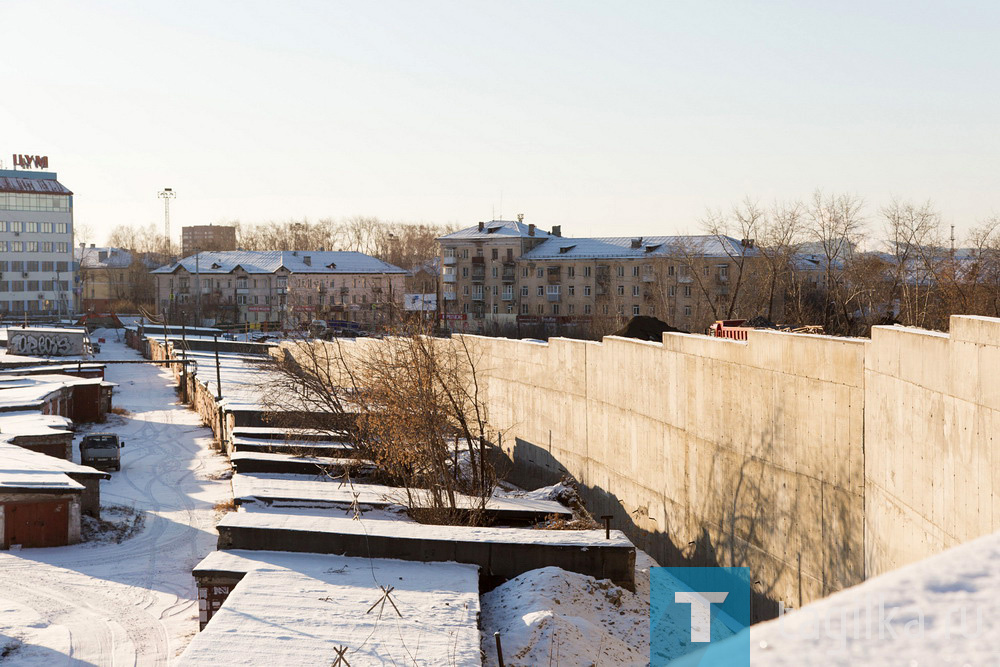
(625, 247)
(241, 378)
(292, 520)
(270, 261)
(22, 468)
(297, 609)
(102, 258)
(29, 422)
(291, 487)
(935, 611)
(28, 391)
(493, 229)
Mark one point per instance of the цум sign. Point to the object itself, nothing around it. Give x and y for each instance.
(31, 161)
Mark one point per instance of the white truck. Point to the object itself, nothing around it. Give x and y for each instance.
(101, 451)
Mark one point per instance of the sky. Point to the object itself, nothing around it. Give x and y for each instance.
(608, 118)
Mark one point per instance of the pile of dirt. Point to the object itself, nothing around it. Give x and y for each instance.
(759, 322)
(645, 327)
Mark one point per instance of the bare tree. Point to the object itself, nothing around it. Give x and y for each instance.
(411, 404)
(836, 227)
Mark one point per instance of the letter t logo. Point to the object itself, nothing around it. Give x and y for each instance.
(701, 611)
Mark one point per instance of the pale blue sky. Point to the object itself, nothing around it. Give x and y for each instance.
(604, 117)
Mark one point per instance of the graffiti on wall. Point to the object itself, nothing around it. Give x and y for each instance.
(44, 344)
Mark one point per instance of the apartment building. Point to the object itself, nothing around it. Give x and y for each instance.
(598, 284)
(479, 276)
(280, 288)
(36, 245)
(509, 278)
(201, 238)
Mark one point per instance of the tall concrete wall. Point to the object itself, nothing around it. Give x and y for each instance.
(705, 451)
(932, 440)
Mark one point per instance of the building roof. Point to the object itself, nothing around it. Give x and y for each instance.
(22, 468)
(493, 229)
(270, 261)
(102, 258)
(37, 183)
(634, 247)
(301, 608)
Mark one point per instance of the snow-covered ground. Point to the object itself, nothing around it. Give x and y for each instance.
(134, 602)
(554, 617)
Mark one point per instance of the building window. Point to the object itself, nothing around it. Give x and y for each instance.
(524, 272)
(540, 273)
(586, 309)
(670, 270)
(62, 247)
(465, 272)
(17, 226)
(635, 271)
(555, 309)
(672, 290)
(496, 307)
(635, 310)
(524, 290)
(652, 310)
(687, 311)
(241, 299)
(494, 254)
(569, 309)
(620, 271)
(465, 290)
(571, 290)
(465, 253)
(605, 309)
(635, 292)
(494, 272)
(586, 272)
(687, 291)
(17, 246)
(541, 290)
(540, 309)
(32, 246)
(704, 270)
(62, 228)
(621, 290)
(524, 309)
(570, 271)
(723, 272)
(586, 290)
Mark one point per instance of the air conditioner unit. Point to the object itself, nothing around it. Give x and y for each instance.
(41, 296)
(24, 274)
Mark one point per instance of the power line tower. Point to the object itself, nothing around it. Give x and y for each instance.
(166, 194)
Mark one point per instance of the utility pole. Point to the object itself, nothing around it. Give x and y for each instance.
(166, 194)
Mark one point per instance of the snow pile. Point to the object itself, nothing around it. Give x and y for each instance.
(117, 524)
(551, 616)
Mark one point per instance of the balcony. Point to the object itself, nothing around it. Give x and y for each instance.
(553, 296)
(507, 296)
(649, 277)
(477, 297)
(242, 290)
(721, 279)
(508, 276)
(448, 296)
(448, 278)
(449, 261)
(479, 261)
(478, 276)
(554, 274)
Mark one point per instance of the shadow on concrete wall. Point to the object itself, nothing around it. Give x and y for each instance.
(747, 515)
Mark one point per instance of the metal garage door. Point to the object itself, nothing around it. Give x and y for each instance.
(41, 524)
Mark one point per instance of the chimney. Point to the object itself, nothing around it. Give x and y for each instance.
(531, 230)
(91, 245)
(520, 217)
(480, 225)
(556, 230)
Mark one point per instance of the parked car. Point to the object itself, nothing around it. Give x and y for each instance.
(102, 451)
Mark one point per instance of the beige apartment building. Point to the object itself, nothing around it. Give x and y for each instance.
(479, 275)
(506, 283)
(268, 289)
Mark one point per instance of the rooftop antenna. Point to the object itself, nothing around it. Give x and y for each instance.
(953, 239)
(501, 205)
(166, 194)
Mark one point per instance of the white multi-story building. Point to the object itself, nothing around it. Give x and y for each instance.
(37, 275)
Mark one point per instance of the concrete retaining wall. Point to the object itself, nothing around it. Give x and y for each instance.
(705, 451)
(932, 437)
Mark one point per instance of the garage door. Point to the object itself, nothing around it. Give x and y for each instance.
(42, 524)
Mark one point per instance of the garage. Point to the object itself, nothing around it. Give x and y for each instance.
(36, 524)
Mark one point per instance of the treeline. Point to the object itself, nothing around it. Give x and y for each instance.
(833, 261)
